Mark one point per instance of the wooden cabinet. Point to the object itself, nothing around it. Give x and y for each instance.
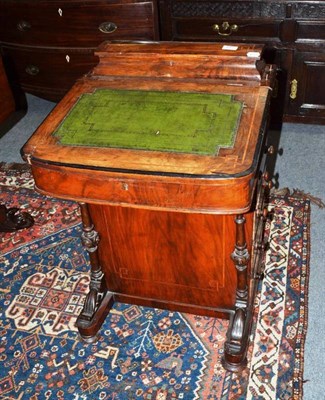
(306, 99)
(306, 79)
(47, 45)
(294, 34)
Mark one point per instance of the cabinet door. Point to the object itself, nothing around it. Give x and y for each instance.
(306, 94)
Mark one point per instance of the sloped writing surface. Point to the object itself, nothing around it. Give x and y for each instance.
(184, 122)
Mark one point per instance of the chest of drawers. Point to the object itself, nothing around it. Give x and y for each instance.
(294, 34)
(47, 45)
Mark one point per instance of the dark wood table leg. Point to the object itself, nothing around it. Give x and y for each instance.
(13, 219)
(238, 331)
(98, 301)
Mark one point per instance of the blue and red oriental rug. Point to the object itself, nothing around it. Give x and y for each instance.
(142, 353)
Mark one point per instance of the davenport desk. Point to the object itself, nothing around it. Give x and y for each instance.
(163, 146)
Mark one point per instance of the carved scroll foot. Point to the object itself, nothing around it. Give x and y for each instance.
(234, 359)
(12, 219)
(98, 300)
(93, 314)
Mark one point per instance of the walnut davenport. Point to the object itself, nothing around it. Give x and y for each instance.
(169, 229)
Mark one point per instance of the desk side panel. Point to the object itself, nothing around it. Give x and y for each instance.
(167, 256)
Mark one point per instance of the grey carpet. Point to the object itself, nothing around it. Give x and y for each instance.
(301, 166)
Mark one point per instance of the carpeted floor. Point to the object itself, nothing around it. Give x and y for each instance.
(141, 352)
(301, 166)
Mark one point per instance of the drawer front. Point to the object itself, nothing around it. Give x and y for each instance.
(47, 73)
(75, 24)
(307, 32)
(230, 196)
(234, 29)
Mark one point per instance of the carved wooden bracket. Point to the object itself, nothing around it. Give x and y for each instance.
(98, 301)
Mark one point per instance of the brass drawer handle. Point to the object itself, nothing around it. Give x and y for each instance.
(32, 70)
(107, 27)
(293, 89)
(23, 26)
(226, 29)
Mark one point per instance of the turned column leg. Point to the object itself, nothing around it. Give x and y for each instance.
(237, 336)
(240, 257)
(98, 301)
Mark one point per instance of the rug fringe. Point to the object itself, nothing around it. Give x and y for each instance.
(300, 194)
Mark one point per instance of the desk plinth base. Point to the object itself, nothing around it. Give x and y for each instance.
(236, 345)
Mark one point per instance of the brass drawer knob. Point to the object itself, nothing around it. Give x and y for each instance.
(32, 70)
(226, 29)
(107, 27)
(23, 26)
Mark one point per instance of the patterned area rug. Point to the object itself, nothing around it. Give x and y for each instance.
(142, 353)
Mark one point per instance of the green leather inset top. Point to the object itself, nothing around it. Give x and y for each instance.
(197, 123)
